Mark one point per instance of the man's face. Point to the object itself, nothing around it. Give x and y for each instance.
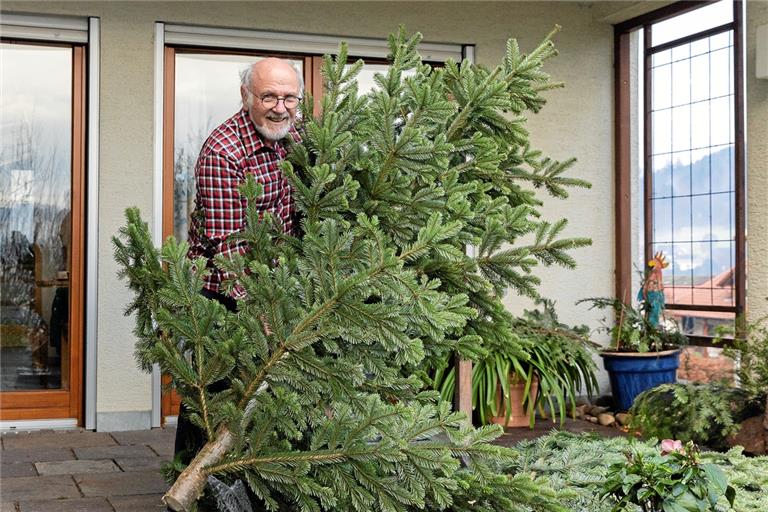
(271, 77)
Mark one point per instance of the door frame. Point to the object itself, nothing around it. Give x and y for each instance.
(64, 403)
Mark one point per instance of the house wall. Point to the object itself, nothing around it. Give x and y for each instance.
(757, 174)
(577, 121)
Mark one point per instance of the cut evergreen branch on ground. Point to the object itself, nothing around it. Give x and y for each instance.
(580, 463)
(324, 358)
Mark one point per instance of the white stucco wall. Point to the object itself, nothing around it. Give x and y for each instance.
(577, 121)
(757, 170)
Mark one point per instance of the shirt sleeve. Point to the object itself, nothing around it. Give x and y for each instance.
(218, 179)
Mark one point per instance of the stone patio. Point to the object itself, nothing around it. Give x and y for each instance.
(68, 471)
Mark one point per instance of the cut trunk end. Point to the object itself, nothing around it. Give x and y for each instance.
(191, 482)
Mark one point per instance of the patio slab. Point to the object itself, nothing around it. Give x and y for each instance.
(40, 487)
(121, 484)
(69, 505)
(69, 467)
(138, 503)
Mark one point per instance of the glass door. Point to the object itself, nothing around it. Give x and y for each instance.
(41, 230)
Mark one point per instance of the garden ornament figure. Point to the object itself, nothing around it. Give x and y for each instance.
(652, 291)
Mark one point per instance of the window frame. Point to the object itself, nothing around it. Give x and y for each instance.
(623, 158)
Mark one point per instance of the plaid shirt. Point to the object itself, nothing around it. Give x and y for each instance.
(233, 151)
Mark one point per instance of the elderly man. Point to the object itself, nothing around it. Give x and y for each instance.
(253, 142)
(249, 143)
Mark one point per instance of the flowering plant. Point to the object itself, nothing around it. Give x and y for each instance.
(675, 480)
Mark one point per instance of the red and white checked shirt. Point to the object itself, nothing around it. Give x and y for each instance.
(233, 151)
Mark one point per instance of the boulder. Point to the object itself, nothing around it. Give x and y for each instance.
(623, 418)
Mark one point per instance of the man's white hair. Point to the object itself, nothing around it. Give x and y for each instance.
(247, 74)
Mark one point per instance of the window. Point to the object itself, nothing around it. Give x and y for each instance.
(680, 145)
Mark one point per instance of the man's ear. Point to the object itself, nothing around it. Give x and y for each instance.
(244, 96)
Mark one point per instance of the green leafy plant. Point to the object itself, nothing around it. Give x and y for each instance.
(632, 332)
(751, 351)
(675, 480)
(536, 347)
(702, 413)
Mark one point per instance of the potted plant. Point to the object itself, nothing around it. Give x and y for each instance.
(539, 361)
(645, 346)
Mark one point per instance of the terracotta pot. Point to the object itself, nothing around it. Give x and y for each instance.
(519, 416)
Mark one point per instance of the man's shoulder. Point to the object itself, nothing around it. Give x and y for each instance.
(225, 140)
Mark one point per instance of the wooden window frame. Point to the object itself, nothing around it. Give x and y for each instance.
(46, 404)
(622, 142)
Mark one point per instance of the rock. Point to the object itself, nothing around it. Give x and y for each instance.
(591, 419)
(581, 411)
(623, 418)
(606, 419)
(597, 410)
(751, 435)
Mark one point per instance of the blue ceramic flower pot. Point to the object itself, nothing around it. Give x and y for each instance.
(631, 373)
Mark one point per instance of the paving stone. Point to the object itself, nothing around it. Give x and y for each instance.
(57, 440)
(138, 503)
(75, 505)
(70, 467)
(114, 452)
(41, 487)
(9, 469)
(163, 450)
(37, 454)
(141, 464)
(156, 435)
(121, 484)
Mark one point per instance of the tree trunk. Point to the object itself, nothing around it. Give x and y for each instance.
(191, 482)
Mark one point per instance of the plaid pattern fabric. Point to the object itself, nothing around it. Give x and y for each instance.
(233, 151)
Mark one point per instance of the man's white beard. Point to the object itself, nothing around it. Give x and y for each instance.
(273, 134)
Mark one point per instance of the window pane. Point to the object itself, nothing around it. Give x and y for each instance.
(662, 131)
(681, 217)
(700, 208)
(662, 78)
(703, 18)
(681, 82)
(681, 174)
(662, 176)
(700, 171)
(35, 215)
(207, 94)
(662, 220)
(365, 79)
(699, 77)
(700, 124)
(720, 124)
(681, 128)
(719, 66)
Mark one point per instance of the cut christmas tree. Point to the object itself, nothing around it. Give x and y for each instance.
(413, 199)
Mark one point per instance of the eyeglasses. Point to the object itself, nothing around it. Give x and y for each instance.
(270, 101)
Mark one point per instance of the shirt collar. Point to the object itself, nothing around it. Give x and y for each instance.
(253, 141)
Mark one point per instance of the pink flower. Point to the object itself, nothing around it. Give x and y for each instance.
(671, 446)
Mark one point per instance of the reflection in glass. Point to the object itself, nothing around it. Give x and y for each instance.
(35, 216)
(207, 93)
